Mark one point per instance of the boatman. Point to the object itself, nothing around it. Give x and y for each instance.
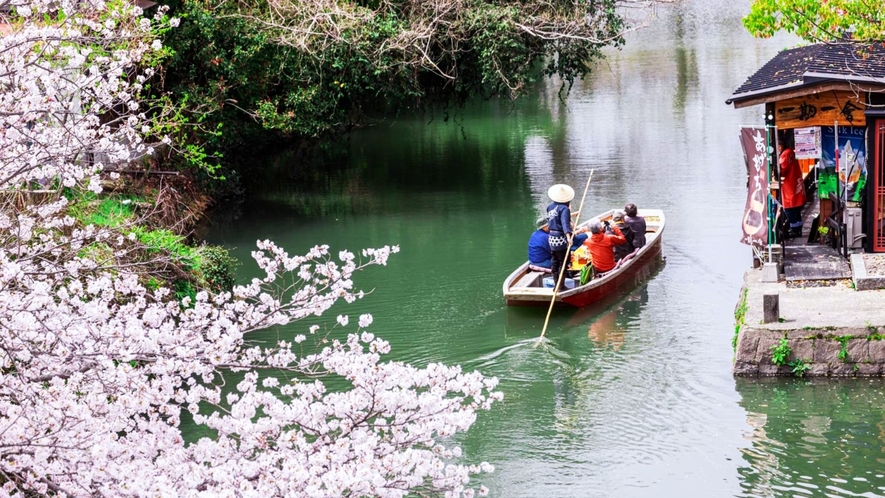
(559, 225)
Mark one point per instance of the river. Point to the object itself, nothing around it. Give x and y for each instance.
(631, 398)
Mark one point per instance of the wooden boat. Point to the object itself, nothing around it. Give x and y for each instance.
(524, 287)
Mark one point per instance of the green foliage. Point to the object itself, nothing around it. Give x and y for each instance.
(192, 132)
(816, 20)
(780, 352)
(233, 68)
(218, 268)
(799, 367)
(740, 314)
(99, 252)
(153, 284)
(166, 242)
(183, 289)
(843, 351)
(108, 211)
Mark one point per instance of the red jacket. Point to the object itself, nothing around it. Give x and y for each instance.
(792, 186)
(601, 246)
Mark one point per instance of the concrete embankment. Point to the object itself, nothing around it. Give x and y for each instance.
(818, 331)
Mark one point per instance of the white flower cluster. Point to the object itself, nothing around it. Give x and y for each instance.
(96, 370)
(64, 85)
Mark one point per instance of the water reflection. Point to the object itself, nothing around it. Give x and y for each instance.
(686, 62)
(813, 437)
(610, 329)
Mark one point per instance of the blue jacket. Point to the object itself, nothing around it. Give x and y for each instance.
(540, 253)
(539, 248)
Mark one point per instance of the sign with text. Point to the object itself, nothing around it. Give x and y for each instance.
(755, 219)
(822, 109)
(807, 143)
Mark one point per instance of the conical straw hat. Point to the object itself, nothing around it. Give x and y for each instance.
(561, 193)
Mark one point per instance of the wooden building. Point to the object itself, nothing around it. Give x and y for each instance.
(827, 102)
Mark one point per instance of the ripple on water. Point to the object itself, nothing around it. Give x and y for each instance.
(807, 439)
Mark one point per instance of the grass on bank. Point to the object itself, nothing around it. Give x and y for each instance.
(740, 314)
(205, 266)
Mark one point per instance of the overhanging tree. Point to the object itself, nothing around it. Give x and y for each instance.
(816, 20)
(305, 69)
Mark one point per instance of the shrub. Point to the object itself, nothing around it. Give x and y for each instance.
(218, 268)
(780, 352)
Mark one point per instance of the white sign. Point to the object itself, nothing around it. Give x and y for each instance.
(807, 142)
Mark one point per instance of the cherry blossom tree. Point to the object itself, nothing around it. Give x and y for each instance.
(97, 372)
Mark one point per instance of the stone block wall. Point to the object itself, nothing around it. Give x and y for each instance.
(830, 351)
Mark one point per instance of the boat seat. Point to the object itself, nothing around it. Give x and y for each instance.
(528, 279)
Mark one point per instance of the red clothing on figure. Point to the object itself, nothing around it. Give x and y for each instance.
(601, 247)
(792, 184)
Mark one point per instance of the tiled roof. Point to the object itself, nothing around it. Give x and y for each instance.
(814, 63)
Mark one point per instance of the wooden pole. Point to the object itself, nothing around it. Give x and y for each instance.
(564, 263)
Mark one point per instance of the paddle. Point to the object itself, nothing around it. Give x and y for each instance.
(564, 263)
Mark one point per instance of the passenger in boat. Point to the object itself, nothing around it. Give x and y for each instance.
(601, 244)
(636, 223)
(540, 255)
(627, 248)
(792, 187)
(559, 224)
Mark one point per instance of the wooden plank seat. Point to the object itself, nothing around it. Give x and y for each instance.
(528, 279)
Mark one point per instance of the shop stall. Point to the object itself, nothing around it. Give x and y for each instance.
(824, 103)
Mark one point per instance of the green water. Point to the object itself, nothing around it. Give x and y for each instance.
(634, 396)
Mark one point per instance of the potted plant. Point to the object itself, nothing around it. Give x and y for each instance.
(824, 232)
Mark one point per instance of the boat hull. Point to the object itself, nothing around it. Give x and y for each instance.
(631, 274)
(639, 271)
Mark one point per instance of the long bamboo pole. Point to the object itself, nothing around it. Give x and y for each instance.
(566, 262)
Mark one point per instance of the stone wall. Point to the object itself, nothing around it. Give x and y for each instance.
(833, 329)
(827, 352)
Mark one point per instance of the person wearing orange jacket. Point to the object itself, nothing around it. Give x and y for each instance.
(792, 188)
(601, 245)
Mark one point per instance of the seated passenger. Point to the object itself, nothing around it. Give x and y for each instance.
(627, 248)
(601, 244)
(540, 254)
(637, 224)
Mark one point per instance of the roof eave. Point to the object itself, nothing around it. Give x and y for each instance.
(737, 98)
(818, 77)
(809, 79)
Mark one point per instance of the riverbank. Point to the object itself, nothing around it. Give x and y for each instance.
(153, 216)
(831, 330)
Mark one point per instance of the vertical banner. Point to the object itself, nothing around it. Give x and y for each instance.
(755, 222)
(851, 176)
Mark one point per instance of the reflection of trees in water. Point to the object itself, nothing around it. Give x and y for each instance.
(819, 434)
(477, 149)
